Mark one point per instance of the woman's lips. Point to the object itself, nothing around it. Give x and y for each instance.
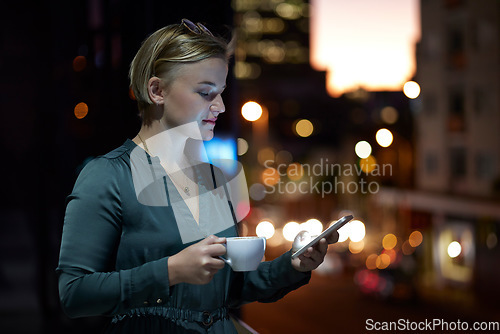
(210, 121)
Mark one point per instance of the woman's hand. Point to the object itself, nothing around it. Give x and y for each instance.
(198, 263)
(314, 256)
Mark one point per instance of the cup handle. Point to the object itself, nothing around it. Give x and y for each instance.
(265, 242)
(227, 261)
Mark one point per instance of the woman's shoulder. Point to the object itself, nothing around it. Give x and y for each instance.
(109, 165)
(121, 152)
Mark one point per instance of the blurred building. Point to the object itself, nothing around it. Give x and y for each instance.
(301, 124)
(272, 68)
(455, 204)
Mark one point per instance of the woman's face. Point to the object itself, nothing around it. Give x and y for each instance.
(195, 95)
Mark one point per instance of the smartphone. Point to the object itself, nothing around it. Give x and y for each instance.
(341, 222)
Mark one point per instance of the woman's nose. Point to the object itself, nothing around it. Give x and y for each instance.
(218, 105)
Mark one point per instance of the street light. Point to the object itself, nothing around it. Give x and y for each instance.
(384, 137)
(251, 111)
(411, 89)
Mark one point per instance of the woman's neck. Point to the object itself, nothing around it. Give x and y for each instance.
(167, 144)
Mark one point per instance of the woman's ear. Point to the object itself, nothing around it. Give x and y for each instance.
(156, 90)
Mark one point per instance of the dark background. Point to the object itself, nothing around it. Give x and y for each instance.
(44, 145)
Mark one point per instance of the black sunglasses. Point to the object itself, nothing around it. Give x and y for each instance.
(197, 28)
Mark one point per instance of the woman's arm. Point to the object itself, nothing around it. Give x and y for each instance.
(270, 282)
(88, 282)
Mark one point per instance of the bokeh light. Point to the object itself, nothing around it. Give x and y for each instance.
(389, 241)
(406, 248)
(303, 128)
(242, 145)
(313, 226)
(389, 115)
(392, 254)
(288, 11)
(371, 261)
(290, 230)
(454, 249)
(257, 191)
(265, 156)
(383, 261)
(491, 240)
(295, 171)
(284, 157)
(265, 229)
(270, 176)
(79, 63)
(411, 89)
(251, 111)
(415, 239)
(384, 137)
(368, 164)
(357, 230)
(363, 149)
(81, 110)
(131, 94)
(344, 231)
(356, 247)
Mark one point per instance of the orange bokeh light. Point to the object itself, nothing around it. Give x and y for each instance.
(81, 110)
(270, 176)
(79, 63)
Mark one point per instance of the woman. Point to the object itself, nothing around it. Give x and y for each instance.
(124, 256)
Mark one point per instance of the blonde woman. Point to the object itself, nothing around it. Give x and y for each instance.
(123, 254)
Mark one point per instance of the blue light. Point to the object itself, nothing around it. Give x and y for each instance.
(219, 148)
(222, 153)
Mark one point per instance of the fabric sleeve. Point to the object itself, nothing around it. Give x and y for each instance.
(88, 282)
(270, 282)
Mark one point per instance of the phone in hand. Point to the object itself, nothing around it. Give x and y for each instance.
(334, 227)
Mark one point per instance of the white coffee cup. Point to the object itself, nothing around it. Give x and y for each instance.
(244, 253)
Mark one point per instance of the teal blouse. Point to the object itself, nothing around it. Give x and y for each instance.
(114, 253)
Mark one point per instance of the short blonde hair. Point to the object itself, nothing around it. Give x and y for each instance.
(162, 53)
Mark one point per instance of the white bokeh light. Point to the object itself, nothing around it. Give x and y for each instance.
(357, 230)
(363, 149)
(344, 232)
(290, 230)
(411, 89)
(251, 111)
(312, 226)
(454, 249)
(384, 137)
(265, 229)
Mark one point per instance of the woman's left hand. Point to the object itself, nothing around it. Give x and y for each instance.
(314, 256)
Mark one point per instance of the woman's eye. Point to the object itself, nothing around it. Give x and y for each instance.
(203, 94)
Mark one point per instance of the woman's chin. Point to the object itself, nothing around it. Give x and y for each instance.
(207, 135)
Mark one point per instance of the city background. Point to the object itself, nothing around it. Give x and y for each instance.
(419, 168)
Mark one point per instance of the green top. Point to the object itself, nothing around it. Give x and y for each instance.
(114, 252)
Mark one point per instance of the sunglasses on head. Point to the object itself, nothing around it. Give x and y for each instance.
(196, 28)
